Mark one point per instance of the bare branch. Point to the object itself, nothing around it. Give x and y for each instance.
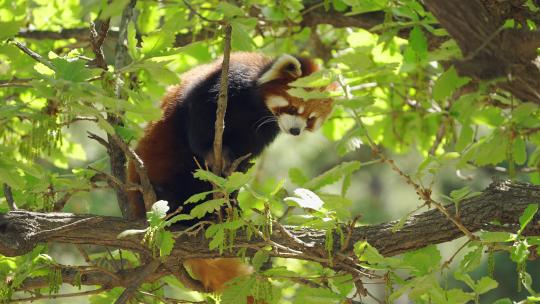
(503, 202)
(9, 197)
(149, 196)
(217, 165)
(96, 40)
(147, 270)
(33, 54)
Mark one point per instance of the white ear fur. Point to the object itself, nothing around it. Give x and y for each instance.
(275, 101)
(277, 69)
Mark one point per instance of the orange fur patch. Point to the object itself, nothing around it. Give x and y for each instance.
(215, 273)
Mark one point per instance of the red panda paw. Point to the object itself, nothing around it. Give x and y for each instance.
(225, 159)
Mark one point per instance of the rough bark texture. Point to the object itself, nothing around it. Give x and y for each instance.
(490, 51)
(504, 202)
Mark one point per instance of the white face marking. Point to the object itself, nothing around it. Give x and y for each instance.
(291, 124)
(300, 109)
(277, 69)
(274, 101)
(312, 115)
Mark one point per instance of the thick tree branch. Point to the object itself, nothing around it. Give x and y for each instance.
(503, 202)
(490, 51)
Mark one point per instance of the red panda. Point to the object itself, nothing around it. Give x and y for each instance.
(258, 108)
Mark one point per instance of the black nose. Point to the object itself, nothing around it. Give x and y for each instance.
(294, 131)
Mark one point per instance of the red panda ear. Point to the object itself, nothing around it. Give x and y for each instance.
(286, 67)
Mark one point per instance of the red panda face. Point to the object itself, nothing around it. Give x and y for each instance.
(294, 115)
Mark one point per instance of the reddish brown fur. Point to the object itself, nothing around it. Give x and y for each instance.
(157, 148)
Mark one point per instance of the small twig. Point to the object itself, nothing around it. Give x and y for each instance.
(217, 166)
(34, 55)
(149, 196)
(16, 82)
(96, 40)
(9, 197)
(196, 12)
(449, 261)
(61, 203)
(234, 165)
(149, 269)
(99, 139)
(65, 295)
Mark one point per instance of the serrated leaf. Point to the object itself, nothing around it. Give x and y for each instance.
(207, 207)
(166, 243)
(333, 175)
(238, 290)
(113, 8)
(527, 216)
(198, 197)
(71, 70)
(229, 10)
(208, 176)
(485, 284)
(297, 176)
(320, 78)
(367, 253)
(306, 199)
(447, 83)
(471, 260)
(423, 260)
(306, 95)
(519, 151)
(241, 39)
(237, 180)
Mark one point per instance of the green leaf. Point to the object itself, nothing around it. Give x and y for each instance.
(114, 8)
(485, 284)
(447, 83)
(320, 78)
(367, 253)
(238, 290)
(527, 216)
(519, 151)
(72, 70)
(207, 207)
(208, 176)
(241, 38)
(306, 199)
(9, 29)
(229, 10)
(259, 259)
(333, 175)
(198, 197)
(310, 295)
(166, 243)
(472, 259)
(418, 42)
(297, 176)
(307, 95)
(519, 252)
(497, 236)
(237, 180)
(156, 42)
(424, 260)
(503, 301)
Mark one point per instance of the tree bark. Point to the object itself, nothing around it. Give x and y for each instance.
(489, 50)
(502, 202)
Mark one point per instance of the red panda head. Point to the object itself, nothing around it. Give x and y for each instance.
(293, 114)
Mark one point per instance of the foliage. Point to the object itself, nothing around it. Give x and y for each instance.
(397, 94)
